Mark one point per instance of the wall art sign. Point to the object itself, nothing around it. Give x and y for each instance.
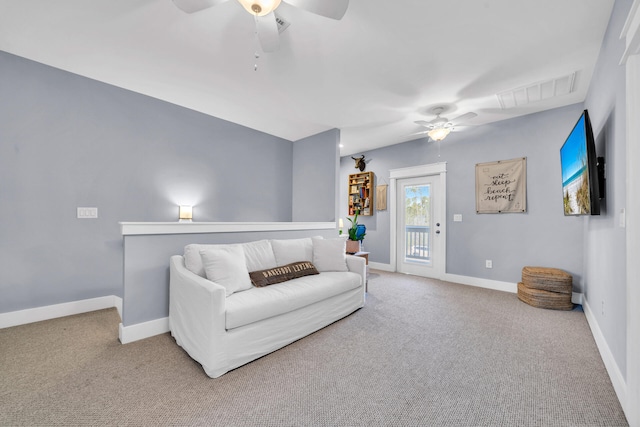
(381, 197)
(501, 186)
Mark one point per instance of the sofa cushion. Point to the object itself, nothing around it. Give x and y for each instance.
(287, 251)
(257, 304)
(226, 266)
(282, 274)
(330, 254)
(259, 255)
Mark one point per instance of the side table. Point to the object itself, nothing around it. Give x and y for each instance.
(365, 255)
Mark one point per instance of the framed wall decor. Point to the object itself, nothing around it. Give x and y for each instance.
(502, 186)
(381, 197)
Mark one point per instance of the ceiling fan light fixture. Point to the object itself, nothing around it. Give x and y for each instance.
(439, 133)
(260, 7)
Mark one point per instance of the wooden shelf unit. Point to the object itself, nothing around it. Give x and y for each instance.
(361, 193)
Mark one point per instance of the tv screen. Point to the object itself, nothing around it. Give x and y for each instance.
(580, 188)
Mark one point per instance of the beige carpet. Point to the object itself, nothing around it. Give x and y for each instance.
(420, 353)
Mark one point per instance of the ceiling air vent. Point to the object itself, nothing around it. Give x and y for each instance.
(537, 92)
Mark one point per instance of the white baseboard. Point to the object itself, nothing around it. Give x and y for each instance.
(118, 305)
(577, 298)
(464, 280)
(143, 330)
(481, 283)
(127, 333)
(381, 266)
(38, 314)
(617, 379)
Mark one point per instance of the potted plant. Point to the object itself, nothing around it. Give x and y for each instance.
(356, 234)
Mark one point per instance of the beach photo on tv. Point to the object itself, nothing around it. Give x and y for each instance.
(575, 173)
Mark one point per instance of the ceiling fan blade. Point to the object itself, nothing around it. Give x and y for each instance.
(419, 133)
(334, 9)
(464, 117)
(191, 6)
(424, 123)
(268, 35)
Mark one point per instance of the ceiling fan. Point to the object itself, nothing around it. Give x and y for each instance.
(439, 128)
(267, 25)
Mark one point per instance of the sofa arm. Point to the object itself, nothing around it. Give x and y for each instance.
(197, 309)
(358, 265)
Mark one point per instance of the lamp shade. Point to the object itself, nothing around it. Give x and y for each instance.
(438, 134)
(260, 7)
(185, 213)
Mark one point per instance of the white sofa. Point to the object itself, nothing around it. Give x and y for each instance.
(222, 322)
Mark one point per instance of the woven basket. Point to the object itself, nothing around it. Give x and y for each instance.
(544, 299)
(548, 279)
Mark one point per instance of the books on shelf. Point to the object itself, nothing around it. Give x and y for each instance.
(360, 193)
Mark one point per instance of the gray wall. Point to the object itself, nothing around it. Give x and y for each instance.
(541, 236)
(605, 241)
(314, 189)
(67, 141)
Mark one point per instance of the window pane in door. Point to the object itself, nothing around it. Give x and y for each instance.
(417, 221)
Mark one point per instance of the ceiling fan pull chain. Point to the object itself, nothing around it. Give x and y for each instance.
(257, 40)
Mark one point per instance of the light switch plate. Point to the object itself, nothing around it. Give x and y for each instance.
(457, 217)
(87, 213)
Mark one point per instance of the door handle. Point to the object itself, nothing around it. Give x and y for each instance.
(437, 231)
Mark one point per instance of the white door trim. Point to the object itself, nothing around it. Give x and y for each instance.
(413, 172)
(631, 59)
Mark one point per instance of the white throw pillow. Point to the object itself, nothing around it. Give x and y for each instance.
(193, 259)
(288, 251)
(259, 255)
(226, 266)
(330, 254)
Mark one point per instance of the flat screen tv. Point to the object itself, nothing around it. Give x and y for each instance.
(580, 183)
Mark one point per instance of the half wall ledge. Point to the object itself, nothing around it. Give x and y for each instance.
(148, 246)
(151, 228)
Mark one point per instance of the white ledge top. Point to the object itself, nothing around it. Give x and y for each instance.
(144, 228)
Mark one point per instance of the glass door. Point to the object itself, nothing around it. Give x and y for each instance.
(419, 226)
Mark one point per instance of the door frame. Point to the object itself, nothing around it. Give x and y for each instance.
(631, 60)
(415, 172)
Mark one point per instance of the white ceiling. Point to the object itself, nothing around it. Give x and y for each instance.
(372, 74)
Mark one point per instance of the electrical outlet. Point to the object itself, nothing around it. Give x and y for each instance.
(457, 218)
(603, 308)
(489, 263)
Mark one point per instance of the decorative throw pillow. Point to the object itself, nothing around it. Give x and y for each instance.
(292, 250)
(330, 254)
(226, 266)
(259, 255)
(282, 274)
(193, 259)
